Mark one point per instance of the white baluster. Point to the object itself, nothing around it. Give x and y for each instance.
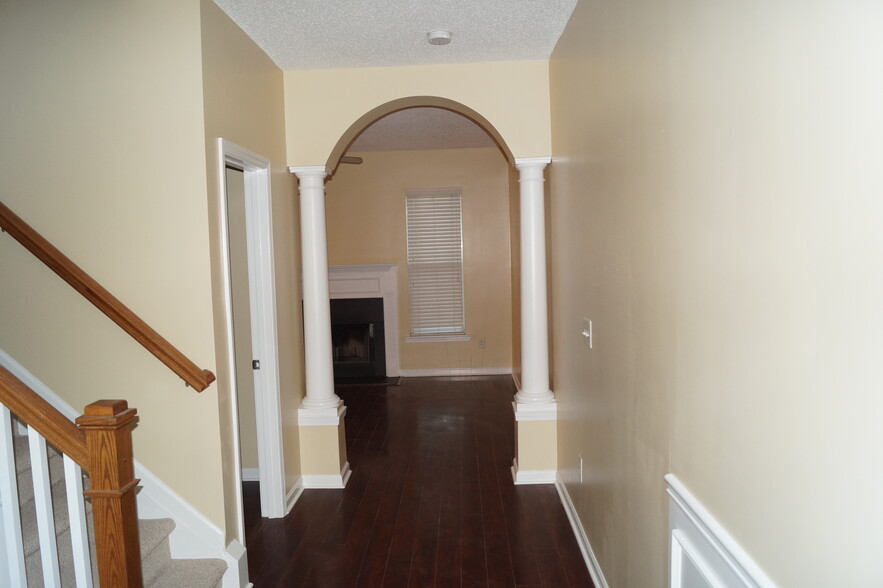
(43, 504)
(76, 512)
(11, 541)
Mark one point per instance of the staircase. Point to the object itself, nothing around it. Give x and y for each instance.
(158, 567)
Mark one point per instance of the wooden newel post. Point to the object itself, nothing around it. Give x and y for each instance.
(108, 427)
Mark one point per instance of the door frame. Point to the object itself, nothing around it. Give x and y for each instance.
(262, 299)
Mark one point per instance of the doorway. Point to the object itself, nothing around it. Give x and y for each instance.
(250, 309)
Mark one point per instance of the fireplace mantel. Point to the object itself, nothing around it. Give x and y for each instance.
(372, 281)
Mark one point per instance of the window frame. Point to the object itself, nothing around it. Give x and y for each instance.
(451, 332)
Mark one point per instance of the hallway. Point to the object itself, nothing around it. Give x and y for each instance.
(430, 503)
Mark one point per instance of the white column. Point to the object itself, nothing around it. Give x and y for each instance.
(317, 307)
(534, 313)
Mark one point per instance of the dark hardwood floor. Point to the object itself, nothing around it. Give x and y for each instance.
(430, 503)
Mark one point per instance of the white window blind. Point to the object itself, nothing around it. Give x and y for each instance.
(435, 261)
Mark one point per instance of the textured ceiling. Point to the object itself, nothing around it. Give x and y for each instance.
(421, 128)
(325, 34)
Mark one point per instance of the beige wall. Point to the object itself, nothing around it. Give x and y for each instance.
(366, 224)
(717, 213)
(322, 105)
(102, 151)
(243, 104)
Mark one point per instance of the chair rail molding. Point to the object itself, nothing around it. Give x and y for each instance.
(702, 553)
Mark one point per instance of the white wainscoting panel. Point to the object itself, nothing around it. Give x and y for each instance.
(703, 554)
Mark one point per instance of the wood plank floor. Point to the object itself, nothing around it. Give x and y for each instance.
(430, 503)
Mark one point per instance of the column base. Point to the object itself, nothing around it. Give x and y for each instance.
(332, 401)
(328, 481)
(536, 443)
(323, 447)
(524, 477)
(317, 417)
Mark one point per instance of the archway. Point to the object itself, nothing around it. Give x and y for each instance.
(372, 116)
(535, 412)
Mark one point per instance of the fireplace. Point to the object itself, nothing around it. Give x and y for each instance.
(376, 281)
(357, 337)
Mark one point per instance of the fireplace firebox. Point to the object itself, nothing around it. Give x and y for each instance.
(357, 337)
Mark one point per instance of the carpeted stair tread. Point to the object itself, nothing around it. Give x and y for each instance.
(193, 573)
(155, 553)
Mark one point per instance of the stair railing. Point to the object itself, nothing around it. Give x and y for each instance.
(100, 443)
(106, 302)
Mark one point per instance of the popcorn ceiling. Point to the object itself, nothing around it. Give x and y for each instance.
(326, 34)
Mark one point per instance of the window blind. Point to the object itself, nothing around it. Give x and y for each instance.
(435, 261)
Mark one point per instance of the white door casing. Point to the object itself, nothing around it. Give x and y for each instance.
(262, 296)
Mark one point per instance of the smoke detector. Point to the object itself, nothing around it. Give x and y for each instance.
(439, 37)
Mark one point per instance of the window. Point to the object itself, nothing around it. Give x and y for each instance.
(435, 262)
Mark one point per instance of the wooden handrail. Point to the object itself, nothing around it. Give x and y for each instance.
(106, 302)
(31, 409)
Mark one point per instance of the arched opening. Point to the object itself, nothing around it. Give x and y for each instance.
(375, 114)
(413, 154)
(499, 260)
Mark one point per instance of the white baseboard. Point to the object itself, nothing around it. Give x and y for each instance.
(328, 480)
(444, 372)
(251, 475)
(523, 477)
(194, 537)
(580, 533)
(293, 495)
(702, 552)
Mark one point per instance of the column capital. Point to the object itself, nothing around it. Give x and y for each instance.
(523, 163)
(309, 171)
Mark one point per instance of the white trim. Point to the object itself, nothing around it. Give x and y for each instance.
(713, 552)
(525, 477)
(328, 480)
(78, 530)
(262, 297)
(372, 281)
(321, 417)
(446, 372)
(236, 557)
(300, 170)
(194, 536)
(541, 411)
(251, 474)
(580, 533)
(437, 338)
(533, 161)
(294, 494)
(12, 567)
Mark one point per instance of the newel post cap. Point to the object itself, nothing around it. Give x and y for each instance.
(107, 413)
